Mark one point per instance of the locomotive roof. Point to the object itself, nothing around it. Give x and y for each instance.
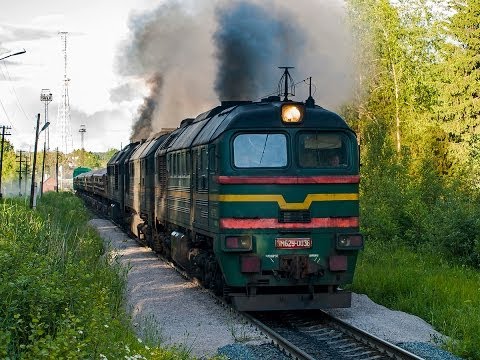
(263, 115)
(149, 146)
(155, 144)
(173, 136)
(138, 151)
(231, 115)
(121, 155)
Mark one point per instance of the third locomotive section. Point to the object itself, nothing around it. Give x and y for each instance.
(257, 200)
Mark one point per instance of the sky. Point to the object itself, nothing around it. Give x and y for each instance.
(116, 48)
(96, 31)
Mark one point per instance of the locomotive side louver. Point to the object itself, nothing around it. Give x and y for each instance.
(289, 216)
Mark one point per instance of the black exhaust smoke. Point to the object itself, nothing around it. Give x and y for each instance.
(203, 51)
(251, 41)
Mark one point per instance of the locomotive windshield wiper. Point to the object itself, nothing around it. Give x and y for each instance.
(264, 146)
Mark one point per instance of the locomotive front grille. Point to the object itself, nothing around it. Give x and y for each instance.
(302, 216)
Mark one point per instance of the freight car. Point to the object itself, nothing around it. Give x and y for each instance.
(258, 200)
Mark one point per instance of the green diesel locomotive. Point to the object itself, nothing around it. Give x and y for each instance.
(258, 200)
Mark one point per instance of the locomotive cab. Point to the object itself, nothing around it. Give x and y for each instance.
(287, 208)
(258, 200)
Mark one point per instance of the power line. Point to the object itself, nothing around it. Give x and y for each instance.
(6, 115)
(4, 110)
(14, 91)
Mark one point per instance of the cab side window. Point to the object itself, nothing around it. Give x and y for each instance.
(323, 150)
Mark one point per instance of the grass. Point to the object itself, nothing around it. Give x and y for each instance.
(59, 297)
(423, 283)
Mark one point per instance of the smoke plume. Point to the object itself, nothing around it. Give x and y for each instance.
(209, 50)
(251, 42)
(173, 41)
(143, 126)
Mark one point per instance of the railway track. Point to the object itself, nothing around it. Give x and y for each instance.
(317, 335)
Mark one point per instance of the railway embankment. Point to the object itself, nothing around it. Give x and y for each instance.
(425, 283)
(60, 296)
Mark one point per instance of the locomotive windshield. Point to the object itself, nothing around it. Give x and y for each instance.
(322, 150)
(260, 151)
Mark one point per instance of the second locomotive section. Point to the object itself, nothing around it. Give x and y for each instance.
(258, 200)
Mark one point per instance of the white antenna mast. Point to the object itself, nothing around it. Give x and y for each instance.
(63, 117)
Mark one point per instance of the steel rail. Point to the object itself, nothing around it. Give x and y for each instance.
(390, 350)
(294, 351)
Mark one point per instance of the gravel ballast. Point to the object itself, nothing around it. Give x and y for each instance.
(162, 301)
(178, 312)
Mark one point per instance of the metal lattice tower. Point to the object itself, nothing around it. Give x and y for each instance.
(64, 128)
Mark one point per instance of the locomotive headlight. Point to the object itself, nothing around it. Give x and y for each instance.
(349, 242)
(292, 113)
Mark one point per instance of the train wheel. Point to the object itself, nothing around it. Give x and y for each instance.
(218, 285)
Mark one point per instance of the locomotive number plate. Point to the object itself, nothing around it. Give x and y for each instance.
(293, 243)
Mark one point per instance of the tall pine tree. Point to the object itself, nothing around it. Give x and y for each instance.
(459, 81)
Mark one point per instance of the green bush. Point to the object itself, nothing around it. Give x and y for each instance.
(418, 208)
(422, 283)
(422, 252)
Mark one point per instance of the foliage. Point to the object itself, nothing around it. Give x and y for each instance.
(60, 295)
(9, 167)
(416, 111)
(422, 283)
(458, 80)
(414, 188)
(393, 50)
(90, 159)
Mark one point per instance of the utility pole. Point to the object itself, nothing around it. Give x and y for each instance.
(4, 130)
(82, 132)
(26, 173)
(20, 161)
(32, 185)
(56, 167)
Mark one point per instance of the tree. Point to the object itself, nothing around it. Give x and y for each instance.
(90, 159)
(396, 48)
(9, 166)
(459, 81)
